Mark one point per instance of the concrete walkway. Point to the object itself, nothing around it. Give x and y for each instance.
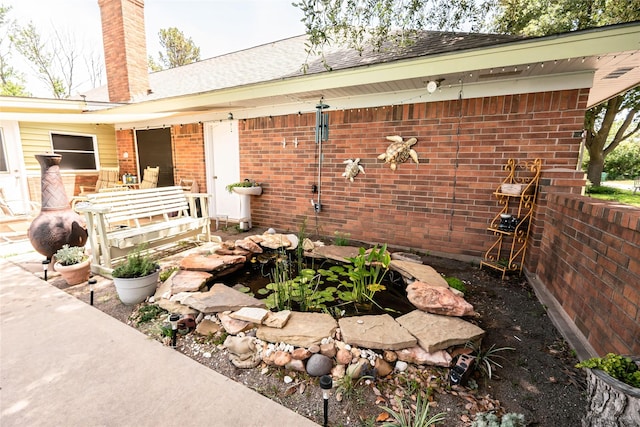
(65, 363)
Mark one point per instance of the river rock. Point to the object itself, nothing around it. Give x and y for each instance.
(435, 332)
(302, 329)
(383, 367)
(301, 353)
(281, 358)
(222, 298)
(295, 365)
(406, 256)
(420, 272)
(319, 365)
(328, 349)
(418, 356)
(343, 357)
(376, 331)
(337, 253)
(438, 300)
(275, 241)
(359, 369)
(390, 356)
(338, 371)
(208, 327)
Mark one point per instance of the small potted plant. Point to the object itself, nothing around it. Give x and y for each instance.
(613, 389)
(136, 278)
(73, 264)
(247, 186)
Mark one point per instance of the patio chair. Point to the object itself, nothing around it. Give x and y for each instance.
(107, 177)
(150, 177)
(8, 213)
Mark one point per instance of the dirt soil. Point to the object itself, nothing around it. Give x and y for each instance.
(537, 378)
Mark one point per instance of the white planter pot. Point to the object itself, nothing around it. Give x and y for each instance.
(136, 290)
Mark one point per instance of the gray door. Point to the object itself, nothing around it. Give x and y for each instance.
(154, 149)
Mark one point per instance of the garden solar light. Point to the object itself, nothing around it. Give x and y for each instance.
(45, 268)
(325, 384)
(173, 319)
(92, 283)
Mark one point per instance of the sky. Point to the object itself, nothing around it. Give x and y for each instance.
(215, 26)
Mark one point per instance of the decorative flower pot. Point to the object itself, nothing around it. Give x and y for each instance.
(611, 402)
(74, 274)
(137, 289)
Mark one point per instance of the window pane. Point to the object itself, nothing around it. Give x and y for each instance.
(71, 160)
(3, 155)
(77, 151)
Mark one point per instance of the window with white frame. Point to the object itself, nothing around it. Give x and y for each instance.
(78, 151)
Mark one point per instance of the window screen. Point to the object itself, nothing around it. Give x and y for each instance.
(77, 151)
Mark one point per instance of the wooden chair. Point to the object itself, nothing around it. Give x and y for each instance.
(107, 177)
(150, 177)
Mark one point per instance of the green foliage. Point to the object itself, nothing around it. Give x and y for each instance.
(148, 312)
(406, 416)
(364, 274)
(302, 292)
(486, 359)
(619, 367)
(69, 255)
(165, 274)
(245, 183)
(510, 419)
(341, 238)
(624, 161)
(178, 50)
(347, 386)
(456, 283)
(137, 264)
(615, 194)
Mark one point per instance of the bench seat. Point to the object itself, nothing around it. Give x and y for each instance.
(118, 222)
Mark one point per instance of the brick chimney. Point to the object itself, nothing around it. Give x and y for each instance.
(125, 48)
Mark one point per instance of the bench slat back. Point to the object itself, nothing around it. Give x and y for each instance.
(138, 204)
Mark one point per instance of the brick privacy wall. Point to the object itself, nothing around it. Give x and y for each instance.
(434, 206)
(125, 48)
(188, 153)
(590, 262)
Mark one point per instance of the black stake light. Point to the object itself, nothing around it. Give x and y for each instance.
(92, 283)
(326, 383)
(173, 319)
(45, 268)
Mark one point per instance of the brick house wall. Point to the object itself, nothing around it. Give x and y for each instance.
(590, 262)
(444, 204)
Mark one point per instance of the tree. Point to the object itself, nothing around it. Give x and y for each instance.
(178, 50)
(544, 17)
(11, 81)
(357, 23)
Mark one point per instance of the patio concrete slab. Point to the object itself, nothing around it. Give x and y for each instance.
(66, 363)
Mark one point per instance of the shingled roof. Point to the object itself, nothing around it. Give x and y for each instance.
(284, 59)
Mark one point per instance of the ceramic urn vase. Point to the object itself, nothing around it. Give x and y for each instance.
(57, 224)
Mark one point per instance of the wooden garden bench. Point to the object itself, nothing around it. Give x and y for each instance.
(119, 221)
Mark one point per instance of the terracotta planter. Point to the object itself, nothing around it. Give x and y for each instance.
(137, 289)
(74, 274)
(611, 402)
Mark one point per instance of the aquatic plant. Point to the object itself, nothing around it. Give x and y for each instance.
(364, 275)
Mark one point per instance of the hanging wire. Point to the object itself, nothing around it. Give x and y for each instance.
(457, 159)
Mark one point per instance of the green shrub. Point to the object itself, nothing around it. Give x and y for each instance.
(619, 367)
(70, 255)
(456, 283)
(624, 161)
(136, 265)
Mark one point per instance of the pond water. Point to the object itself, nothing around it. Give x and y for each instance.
(257, 275)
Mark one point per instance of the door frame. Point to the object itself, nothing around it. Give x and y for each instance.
(222, 138)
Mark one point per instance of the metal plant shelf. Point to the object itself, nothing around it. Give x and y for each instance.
(511, 226)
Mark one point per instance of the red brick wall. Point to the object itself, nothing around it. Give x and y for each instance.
(590, 262)
(125, 48)
(434, 206)
(125, 141)
(188, 153)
